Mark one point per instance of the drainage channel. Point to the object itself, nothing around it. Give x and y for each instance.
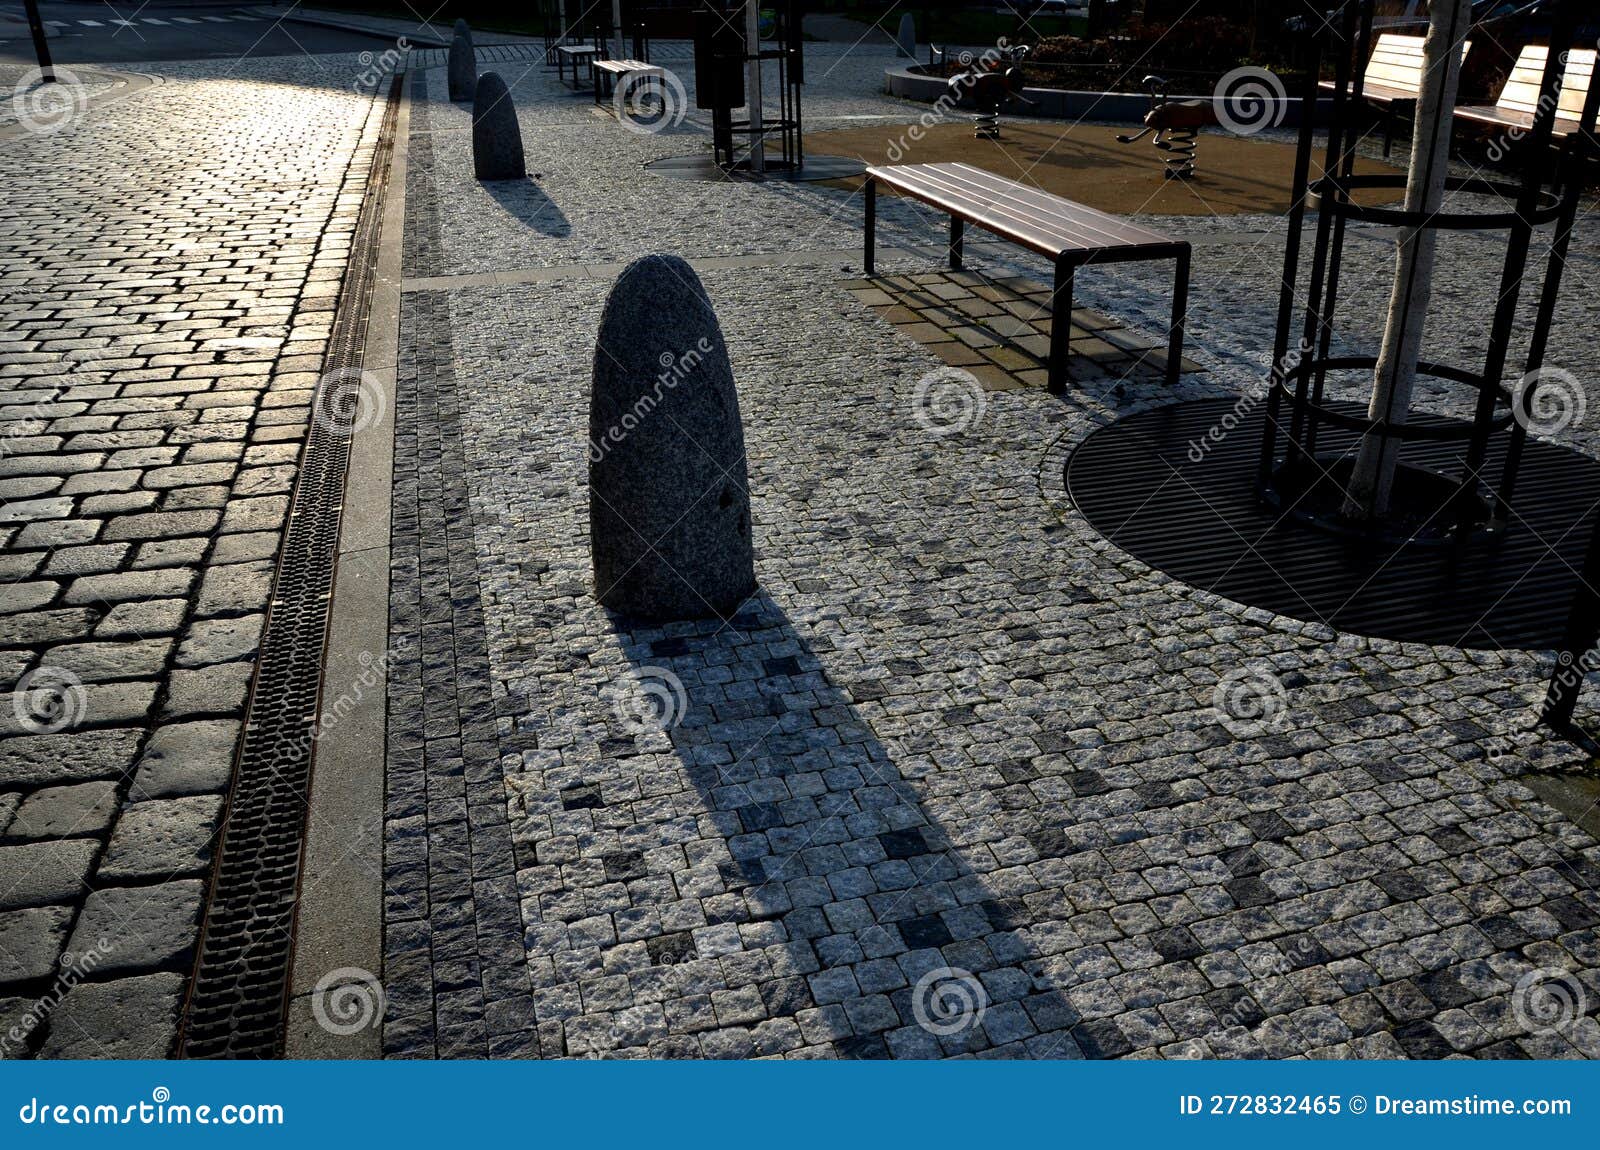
(239, 998)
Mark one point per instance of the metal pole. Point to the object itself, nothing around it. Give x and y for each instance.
(1583, 628)
(40, 46)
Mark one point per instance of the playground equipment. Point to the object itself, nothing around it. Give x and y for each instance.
(1177, 126)
(993, 82)
(730, 72)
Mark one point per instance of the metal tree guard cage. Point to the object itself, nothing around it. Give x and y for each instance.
(728, 54)
(1290, 473)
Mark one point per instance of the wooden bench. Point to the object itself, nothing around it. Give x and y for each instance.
(608, 72)
(577, 54)
(1520, 98)
(1069, 234)
(1394, 78)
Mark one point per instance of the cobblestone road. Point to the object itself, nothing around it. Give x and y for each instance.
(954, 782)
(169, 264)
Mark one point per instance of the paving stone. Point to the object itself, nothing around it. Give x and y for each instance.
(131, 585)
(186, 759)
(162, 838)
(45, 873)
(125, 1018)
(161, 525)
(141, 928)
(98, 662)
(154, 617)
(220, 640)
(77, 756)
(38, 627)
(219, 690)
(235, 589)
(264, 513)
(245, 546)
(30, 942)
(171, 553)
(64, 812)
(69, 561)
(17, 597)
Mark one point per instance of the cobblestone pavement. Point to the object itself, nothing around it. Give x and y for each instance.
(954, 782)
(169, 264)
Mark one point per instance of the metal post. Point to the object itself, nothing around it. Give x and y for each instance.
(870, 254)
(1291, 262)
(1578, 155)
(1180, 317)
(1061, 324)
(1583, 630)
(1519, 241)
(41, 47)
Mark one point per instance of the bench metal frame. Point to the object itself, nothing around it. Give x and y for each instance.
(575, 52)
(1140, 245)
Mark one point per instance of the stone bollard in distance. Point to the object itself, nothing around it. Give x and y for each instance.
(669, 498)
(463, 72)
(496, 137)
(906, 41)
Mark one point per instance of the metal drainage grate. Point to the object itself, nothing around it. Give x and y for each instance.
(239, 999)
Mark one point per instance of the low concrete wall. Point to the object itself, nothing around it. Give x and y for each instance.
(1064, 104)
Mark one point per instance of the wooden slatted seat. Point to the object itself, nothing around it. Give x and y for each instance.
(1069, 234)
(1394, 78)
(1520, 98)
(608, 72)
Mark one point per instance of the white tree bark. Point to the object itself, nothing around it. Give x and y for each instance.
(752, 86)
(1372, 482)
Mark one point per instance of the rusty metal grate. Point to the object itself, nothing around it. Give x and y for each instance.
(238, 1001)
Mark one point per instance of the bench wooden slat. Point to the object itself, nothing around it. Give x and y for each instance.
(1395, 70)
(1040, 221)
(1519, 99)
(620, 66)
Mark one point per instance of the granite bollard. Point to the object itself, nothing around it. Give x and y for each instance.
(496, 136)
(669, 500)
(906, 41)
(463, 70)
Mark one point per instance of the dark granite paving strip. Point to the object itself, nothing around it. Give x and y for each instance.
(454, 959)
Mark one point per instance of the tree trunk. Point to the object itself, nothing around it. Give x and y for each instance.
(1372, 482)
